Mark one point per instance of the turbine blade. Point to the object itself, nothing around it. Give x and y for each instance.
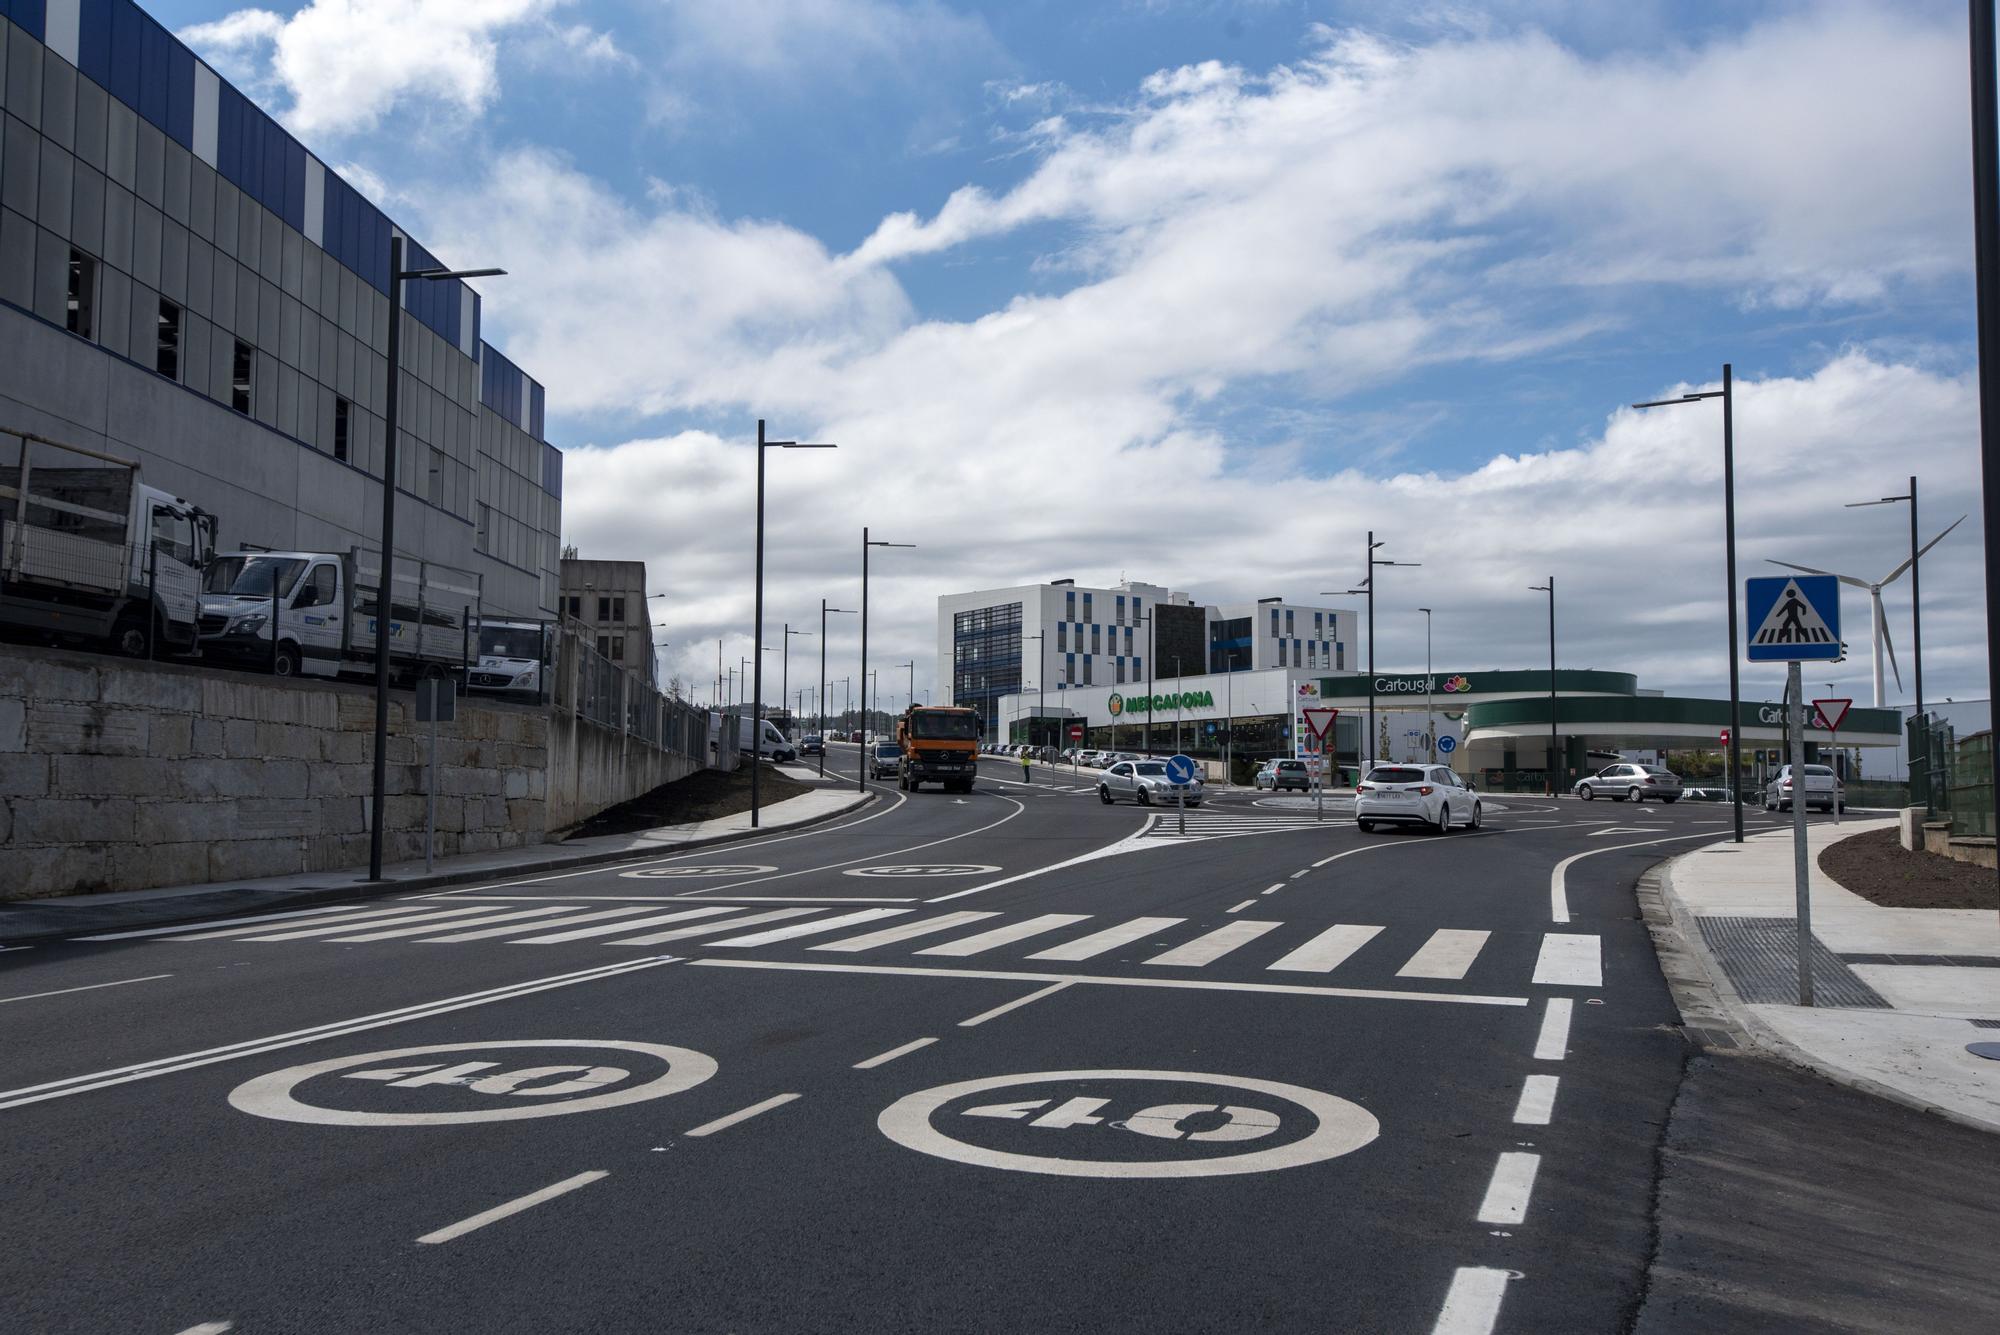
(1789, 566)
(1921, 550)
(1888, 642)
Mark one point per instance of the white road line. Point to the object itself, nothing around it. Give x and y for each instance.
(1212, 946)
(1240, 907)
(211, 1328)
(1508, 1193)
(119, 1075)
(904, 931)
(890, 856)
(1279, 886)
(1570, 961)
(1015, 1004)
(1559, 877)
(742, 1115)
(1108, 980)
(1097, 943)
(1329, 950)
(210, 922)
(393, 932)
(1472, 1303)
(322, 929)
(1000, 936)
(884, 1058)
(513, 1207)
(807, 928)
(488, 933)
(88, 987)
(347, 917)
(1448, 954)
(1131, 843)
(1301, 872)
(1538, 1101)
(704, 898)
(707, 928)
(624, 925)
(1552, 1044)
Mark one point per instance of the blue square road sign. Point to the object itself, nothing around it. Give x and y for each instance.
(1792, 618)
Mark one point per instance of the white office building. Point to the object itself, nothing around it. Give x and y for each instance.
(1047, 638)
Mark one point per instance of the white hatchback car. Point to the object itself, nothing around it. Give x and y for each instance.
(1429, 795)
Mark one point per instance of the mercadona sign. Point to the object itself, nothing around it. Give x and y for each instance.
(1119, 704)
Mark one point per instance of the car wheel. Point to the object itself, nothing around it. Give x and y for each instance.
(1478, 815)
(1145, 796)
(1670, 800)
(1366, 826)
(1442, 825)
(1104, 794)
(1638, 798)
(286, 664)
(1585, 793)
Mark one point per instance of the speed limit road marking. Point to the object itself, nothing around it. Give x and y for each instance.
(926, 869)
(718, 869)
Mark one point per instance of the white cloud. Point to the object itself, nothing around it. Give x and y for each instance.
(345, 63)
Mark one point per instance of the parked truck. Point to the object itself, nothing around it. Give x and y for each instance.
(940, 744)
(514, 657)
(89, 552)
(324, 615)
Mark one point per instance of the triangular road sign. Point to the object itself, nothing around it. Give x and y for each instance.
(1793, 627)
(1831, 712)
(1319, 719)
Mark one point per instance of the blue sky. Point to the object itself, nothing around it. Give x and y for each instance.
(1196, 291)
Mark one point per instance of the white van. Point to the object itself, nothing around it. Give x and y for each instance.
(774, 747)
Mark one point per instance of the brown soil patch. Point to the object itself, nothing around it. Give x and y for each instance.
(1878, 868)
(703, 795)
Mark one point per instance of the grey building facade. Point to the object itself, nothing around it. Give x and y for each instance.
(606, 602)
(183, 284)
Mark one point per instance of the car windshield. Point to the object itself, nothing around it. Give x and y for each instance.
(251, 577)
(510, 641)
(1153, 771)
(1818, 772)
(1394, 774)
(945, 725)
(885, 750)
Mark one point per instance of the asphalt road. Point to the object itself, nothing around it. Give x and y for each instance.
(1010, 1061)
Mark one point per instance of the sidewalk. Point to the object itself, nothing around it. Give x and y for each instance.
(1899, 992)
(43, 919)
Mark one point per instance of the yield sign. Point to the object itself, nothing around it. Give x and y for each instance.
(1831, 712)
(1319, 719)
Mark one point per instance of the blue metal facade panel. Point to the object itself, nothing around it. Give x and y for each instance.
(125, 40)
(94, 41)
(153, 75)
(31, 15)
(180, 95)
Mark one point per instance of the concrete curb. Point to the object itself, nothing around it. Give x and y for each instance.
(1710, 1006)
(197, 905)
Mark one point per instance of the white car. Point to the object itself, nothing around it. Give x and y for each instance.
(1430, 795)
(1820, 786)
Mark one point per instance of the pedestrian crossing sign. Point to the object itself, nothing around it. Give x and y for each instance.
(1793, 618)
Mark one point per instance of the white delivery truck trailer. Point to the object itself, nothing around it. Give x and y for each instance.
(515, 657)
(90, 552)
(317, 613)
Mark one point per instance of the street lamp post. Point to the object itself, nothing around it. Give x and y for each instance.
(1147, 615)
(824, 612)
(1177, 704)
(1368, 589)
(385, 590)
(1550, 589)
(1430, 723)
(861, 780)
(785, 666)
(1728, 396)
(757, 690)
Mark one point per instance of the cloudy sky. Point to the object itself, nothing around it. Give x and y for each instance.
(1199, 291)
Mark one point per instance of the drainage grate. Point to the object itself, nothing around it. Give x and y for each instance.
(1986, 1024)
(1760, 956)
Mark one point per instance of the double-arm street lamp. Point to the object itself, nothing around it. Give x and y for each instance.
(1367, 589)
(861, 779)
(1550, 589)
(757, 691)
(824, 612)
(385, 603)
(1728, 396)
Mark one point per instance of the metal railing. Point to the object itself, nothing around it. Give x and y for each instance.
(612, 696)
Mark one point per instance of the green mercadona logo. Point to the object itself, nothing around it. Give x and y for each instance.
(1118, 704)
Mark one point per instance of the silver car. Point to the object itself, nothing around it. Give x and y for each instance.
(1821, 786)
(1146, 782)
(1628, 781)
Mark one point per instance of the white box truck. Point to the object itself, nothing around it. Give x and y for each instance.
(324, 616)
(89, 552)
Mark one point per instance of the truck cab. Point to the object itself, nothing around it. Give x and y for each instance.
(940, 744)
(511, 658)
(238, 608)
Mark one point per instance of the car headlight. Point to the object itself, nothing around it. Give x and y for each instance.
(248, 625)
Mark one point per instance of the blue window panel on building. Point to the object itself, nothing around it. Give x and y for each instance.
(126, 25)
(229, 133)
(153, 72)
(31, 15)
(180, 95)
(271, 181)
(93, 47)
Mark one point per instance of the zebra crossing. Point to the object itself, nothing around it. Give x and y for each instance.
(1206, 824)
(1158, 941)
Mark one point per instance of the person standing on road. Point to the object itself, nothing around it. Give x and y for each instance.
(1027, 774)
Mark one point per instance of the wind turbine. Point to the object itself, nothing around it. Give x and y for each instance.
(1879, 624)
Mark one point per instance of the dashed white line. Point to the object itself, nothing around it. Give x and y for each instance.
(1552, 1044)
(1538, 1101)
(513, 1207)
(742, 1115)
(1240, 907)
(1472, 1304)
(1279, 886)
(91, 987)
(1015, 1004)
(884, 1058)
(1508, 1193)
(211, 1328)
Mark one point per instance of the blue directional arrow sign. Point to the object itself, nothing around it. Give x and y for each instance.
(1180, 769)
(1792, 618)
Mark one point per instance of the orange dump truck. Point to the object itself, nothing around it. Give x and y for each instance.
(940, 744)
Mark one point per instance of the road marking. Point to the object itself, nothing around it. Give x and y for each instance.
(904, 931)
(1301, 872)
(742, 1115)
(839, 920)
(1570, 961)
(1107, 980)
(1538, 1101)
(1448, 954)
(1472, 1303)
(1279, 886)
(209, 922)
(513, 1207)
(1131, 843)
(1552, 1044)
(624, 925)
(487, 933)
(1214, 945)
(119, 1075)
(89, 987)
(1508, 1193)
(708, 928)
(1015, 1004)
(321, 929)
(1558, 878)
(1097, 943)
(1327, 951)
(211, 1328)
(1000, 936)
(1019, 807)
(884, 1058)
(347, 917)
(395, 932)
(694, 899)
(1240, 907)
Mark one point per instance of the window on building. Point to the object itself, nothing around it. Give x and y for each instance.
(1086, 669)
(573, 604)
(1274, 623)
(1288, 621)
(1095, 636)
(1135, 610)
(1086, 608)
(1281, 652)
(82, 293)
(1128, 640)
(167, 347)
(485, 526)
(239, 378)
(1069, 669)
(343, 417)
(604, 645)
(603, 609)
(1138, 669)
(617, 648)
(618, 609)
(1062, 636)
(1069, 605)
(1121, 609)
(1121, 671)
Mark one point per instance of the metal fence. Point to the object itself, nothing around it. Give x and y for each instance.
(612, 696)
(1968, 796)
